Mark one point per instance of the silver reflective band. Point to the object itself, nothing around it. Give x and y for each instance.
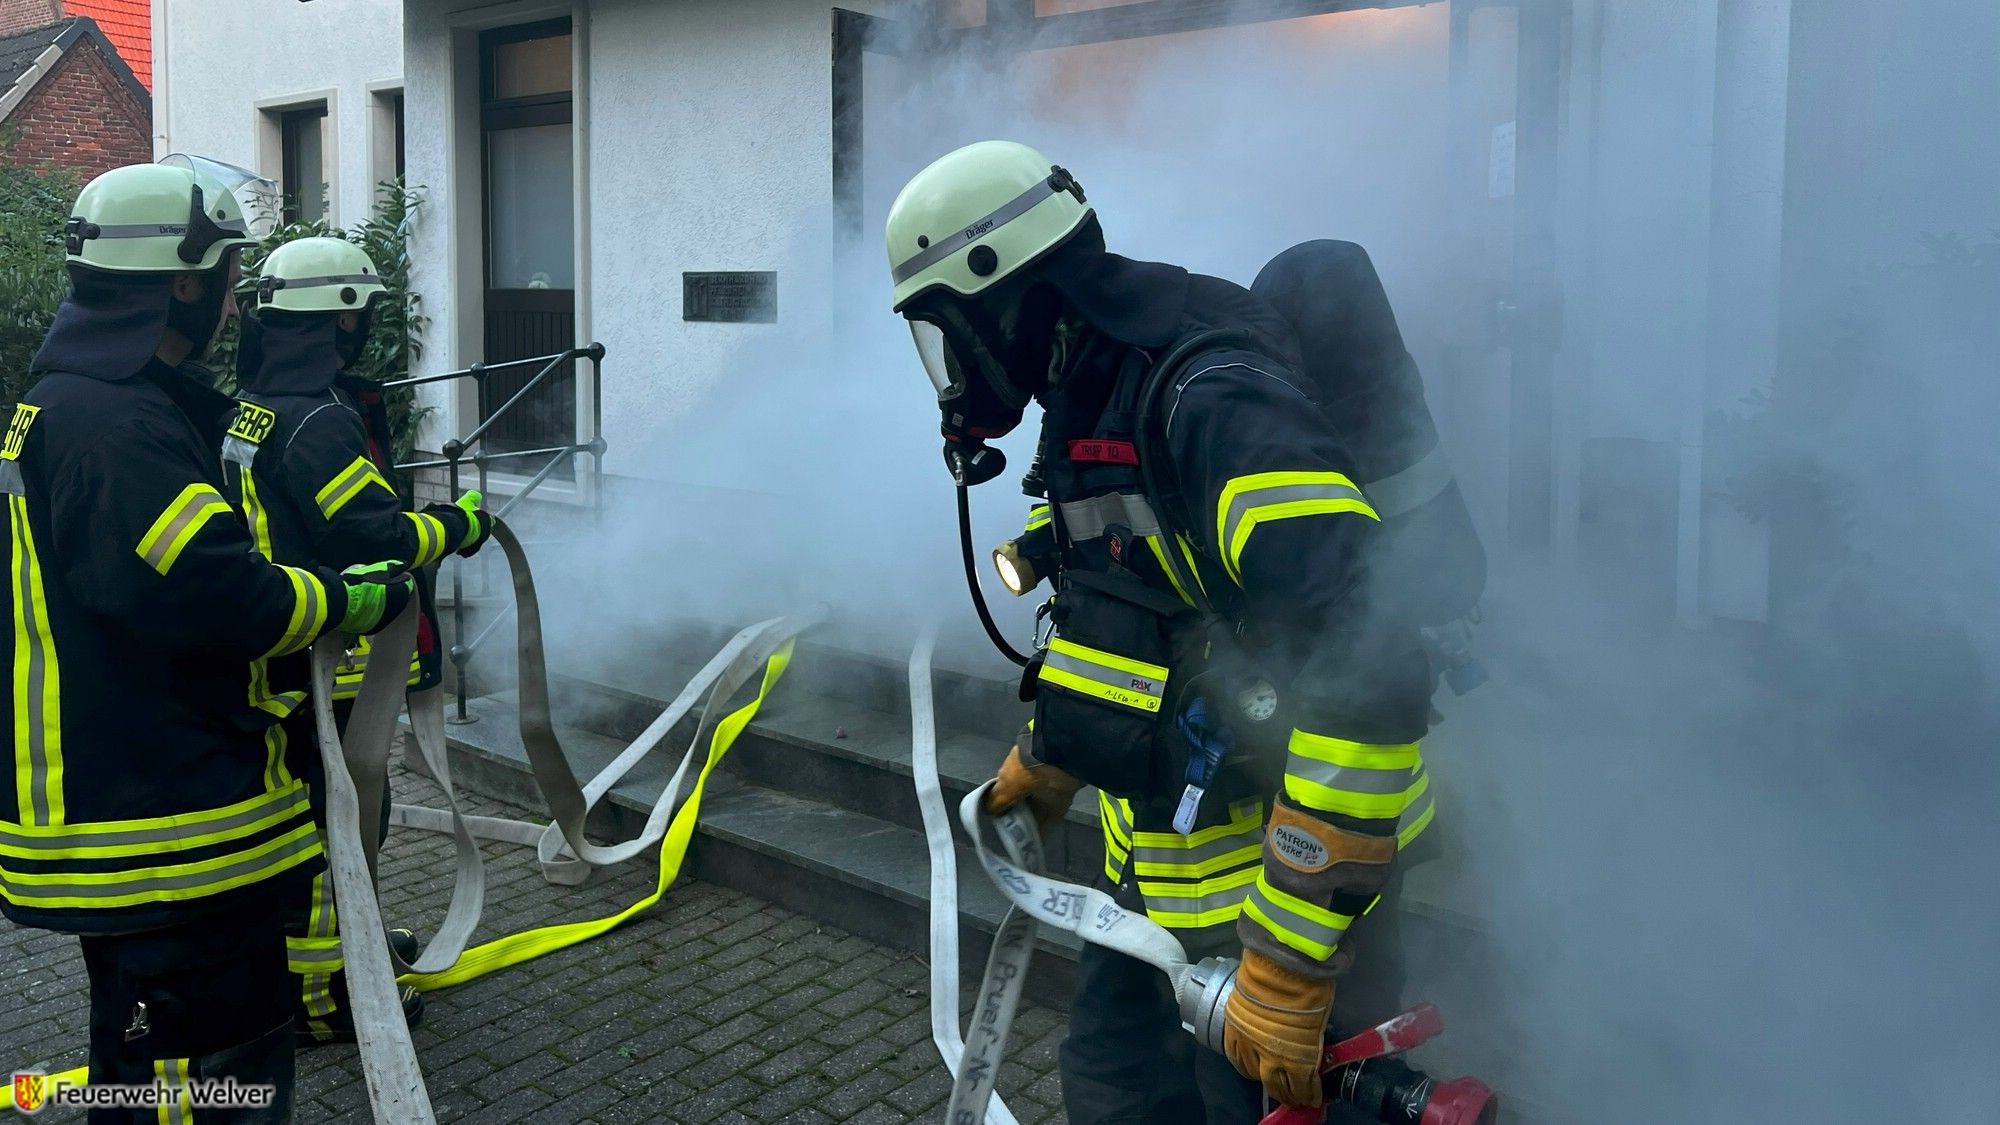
(1142, 691)
(33, 680)
(1242, 504)
(1349, 779)
(960, 239)
(1412, 488)
(1087, 519)
(264, 861)
(1317, 932)
(1180, 858)
(327, 281)
(162, 230)
(1173, 904)
(289, 801)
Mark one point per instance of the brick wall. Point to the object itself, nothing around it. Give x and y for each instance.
(82, 116)
(20, 15)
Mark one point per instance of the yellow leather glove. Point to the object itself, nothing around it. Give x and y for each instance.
(1047, 789)
(1274, 1029)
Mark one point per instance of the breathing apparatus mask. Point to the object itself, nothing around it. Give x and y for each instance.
(986, 357)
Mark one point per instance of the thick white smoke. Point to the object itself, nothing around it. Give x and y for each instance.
(1741, 873)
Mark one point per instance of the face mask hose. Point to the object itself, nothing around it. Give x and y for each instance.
(972, 581)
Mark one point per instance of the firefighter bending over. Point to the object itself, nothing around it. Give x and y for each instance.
(1258, 762)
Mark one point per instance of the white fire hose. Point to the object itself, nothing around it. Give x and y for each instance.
(357, 773)
(1092, 915)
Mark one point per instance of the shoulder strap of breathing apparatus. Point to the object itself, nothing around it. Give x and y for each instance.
(1157, 478)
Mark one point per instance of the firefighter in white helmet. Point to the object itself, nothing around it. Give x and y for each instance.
(151, 809)
(1221, 668)
(308, 460)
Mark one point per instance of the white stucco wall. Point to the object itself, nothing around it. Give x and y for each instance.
(218, 66)
(703, 134)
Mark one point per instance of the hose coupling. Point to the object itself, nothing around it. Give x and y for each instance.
(1207, 990)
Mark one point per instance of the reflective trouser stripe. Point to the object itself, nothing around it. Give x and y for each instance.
(176, 526)
(1355, 779)
(37, 684)
(166, 883)
(173, 1074)
(347, 677)
(311, 955)
(309, 612)
(1104, 675)
(431, 538)
(1312, 930)
(1259, 498)
(347, 484)
(1116, 821)
(321, 927)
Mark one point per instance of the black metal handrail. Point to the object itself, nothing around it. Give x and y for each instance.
(458, 451)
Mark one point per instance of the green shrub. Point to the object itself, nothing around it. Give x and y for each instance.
(34, 203)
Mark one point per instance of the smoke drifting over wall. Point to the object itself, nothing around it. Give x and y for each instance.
(1739, 873)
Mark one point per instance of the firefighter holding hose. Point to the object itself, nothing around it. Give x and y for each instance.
(1225, 665)
(308, 462)
(151, 808)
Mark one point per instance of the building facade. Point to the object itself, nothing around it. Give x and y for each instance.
(1580, 206)
(68, 97)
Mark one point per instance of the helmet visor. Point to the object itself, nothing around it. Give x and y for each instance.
(256, 196)
(936, 354)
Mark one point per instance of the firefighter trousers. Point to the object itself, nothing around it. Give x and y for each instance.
(204, 1001)
(1127, 1061)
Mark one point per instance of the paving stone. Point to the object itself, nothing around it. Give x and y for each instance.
(716, 1007)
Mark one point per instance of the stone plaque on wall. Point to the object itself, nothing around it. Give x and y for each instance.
(730, 297)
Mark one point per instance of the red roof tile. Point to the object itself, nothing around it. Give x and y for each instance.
(129, 26)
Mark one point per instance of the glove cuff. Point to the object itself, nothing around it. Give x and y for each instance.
(457, 525)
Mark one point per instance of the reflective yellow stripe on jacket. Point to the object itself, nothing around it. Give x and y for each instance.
(432, 540)
(1261, 498)
(111, 864)
(37, 683)
(178, 524)
(347, 484)
(309, 612)
(1194, 882)
(347, 676)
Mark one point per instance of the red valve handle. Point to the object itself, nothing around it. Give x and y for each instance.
(1417, 1026)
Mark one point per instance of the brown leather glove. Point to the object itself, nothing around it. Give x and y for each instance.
(1047, 789)
(1274, 1029)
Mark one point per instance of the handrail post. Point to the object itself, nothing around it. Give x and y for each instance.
(460, 653)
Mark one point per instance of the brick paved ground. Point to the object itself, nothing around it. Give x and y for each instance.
(716, 1007)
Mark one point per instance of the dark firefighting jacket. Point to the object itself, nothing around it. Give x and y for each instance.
(149, 782)
(1268, 520)
(317, 490)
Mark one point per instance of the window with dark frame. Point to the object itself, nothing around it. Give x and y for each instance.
(529, 194)
(396, 108)
(303, 163)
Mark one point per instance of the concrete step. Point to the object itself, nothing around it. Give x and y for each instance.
(864, 874)
(839, 752)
